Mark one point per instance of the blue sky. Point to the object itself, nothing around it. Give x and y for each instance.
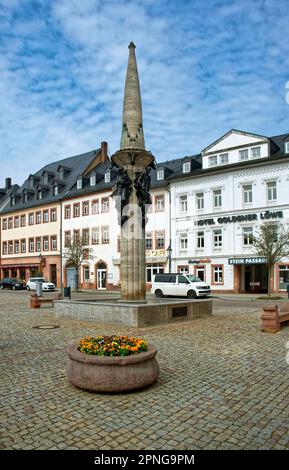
(205, 67)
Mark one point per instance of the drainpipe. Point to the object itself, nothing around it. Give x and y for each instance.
(170, 231)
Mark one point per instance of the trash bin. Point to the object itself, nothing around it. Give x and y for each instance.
(39, 290)
(288, 290)
(67, 292)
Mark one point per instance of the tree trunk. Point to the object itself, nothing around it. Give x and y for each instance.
(77, 280)
(269, 280)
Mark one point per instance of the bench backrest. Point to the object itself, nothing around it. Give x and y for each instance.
(284, 307)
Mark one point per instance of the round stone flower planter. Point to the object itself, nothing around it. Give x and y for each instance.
(112, 373)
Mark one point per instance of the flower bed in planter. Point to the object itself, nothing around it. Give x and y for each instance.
(112, 364)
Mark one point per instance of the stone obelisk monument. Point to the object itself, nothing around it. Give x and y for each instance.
(132, 189)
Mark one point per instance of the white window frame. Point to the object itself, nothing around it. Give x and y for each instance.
(46, 216)
(200, 239)
(247, 194)
(55, 190)
(46, 243)
(271, 188)
(107, 177)
(218, 238)
(186, 167)
(200, 199)
(220, 274)
(95, 206)
(217, 198)
(160, 175)
(247, 233)
(212, 161)
(95, 236)
(53, 215)
(38, 244)
(246, 152)
(105, 235)
(160, 203)
(183, 204)
(253, 149)
(286, 147)
(79, 184)
(222, 157)
(93, 180)
(183, 241)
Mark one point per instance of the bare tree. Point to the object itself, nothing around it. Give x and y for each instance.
(75, 252)
(271, 242)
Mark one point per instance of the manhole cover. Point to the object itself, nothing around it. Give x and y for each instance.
(46, 327)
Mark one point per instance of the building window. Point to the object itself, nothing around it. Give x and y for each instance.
(183, 203)
(160, 175)
(200, 239)
(31, 245)
(10, 247)
(105, 234)
(45, 243)
(10, 222)
(23, 220)
(55, 190)
(39, 195)
(38, 244)
(38, 217)
(4, 224)
(247, 235)
(224, 158)
(217, 198)
(105, 204)
(67, 238)
(183, 269)
(76, 236)
(283, 277)
(247, 194)
(12, 201)
(243, 155)
(152, 269)
(95, 235)
(217, 238)
(107, 177)
(4, 251)
(85, 208)
(149, 241)
(272, 191)
(92, 180)
(160, 203)
(286, 147)
(256, 152)
(186, 167)
(23, 245)
(61, 174)
(53, 243)
(16, 221)
(76, 210)
(86, 271)
(213, 160)
(16, 247)
(85, 236)
(31, 218)
(160, 239)
(46, 216)
(183, 241)
(67, 212)
(53, 215)
(25, 198)
(79, 184)
(217, 274)
(95, 206)
(200, 201)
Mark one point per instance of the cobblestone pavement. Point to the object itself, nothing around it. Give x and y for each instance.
(223, 385)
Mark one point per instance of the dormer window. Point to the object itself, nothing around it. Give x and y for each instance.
(79, 184)
(213, 160)
(107, 177)
(243, 155)
(45, 178)
(224, 158)
(55, 190)
(186, 167)
(92, 180)
(160, 175)
(61, 174)
(25, 197)
(286, 147)
(30, 183)
(256, 152)
(39, 194)
(12, 201)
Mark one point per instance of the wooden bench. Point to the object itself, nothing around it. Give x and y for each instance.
(36, 301)
(273, 316)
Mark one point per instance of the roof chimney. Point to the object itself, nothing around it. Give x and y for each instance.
(8, 183)
(104, 156)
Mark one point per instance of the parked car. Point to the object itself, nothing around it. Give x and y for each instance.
(46, 285)
(166, 284)
(12, 283)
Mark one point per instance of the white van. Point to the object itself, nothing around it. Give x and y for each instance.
(179, 285)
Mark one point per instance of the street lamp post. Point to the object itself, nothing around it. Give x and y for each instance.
(169, 256)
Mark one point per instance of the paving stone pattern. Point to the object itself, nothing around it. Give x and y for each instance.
(223, 385)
